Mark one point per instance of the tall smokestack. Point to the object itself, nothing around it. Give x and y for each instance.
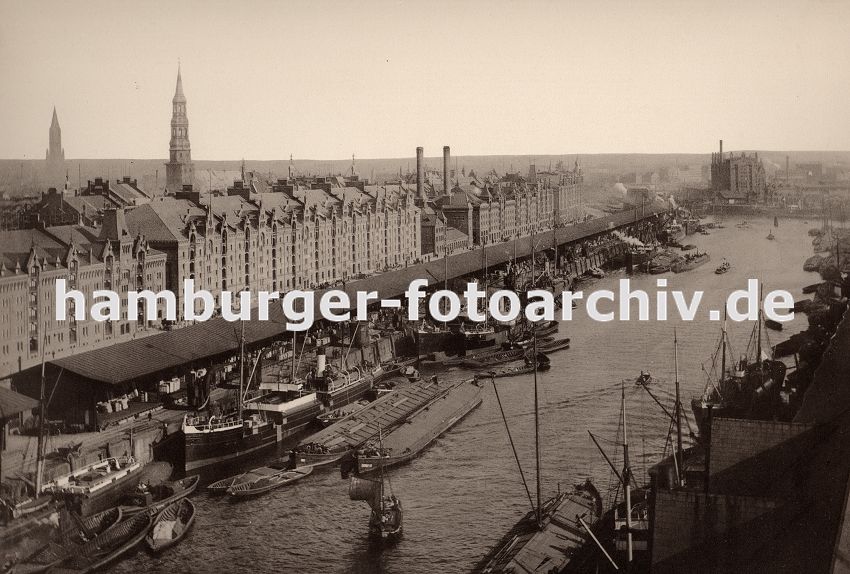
(787, 172)
(321, 361)
(420, 180)
(446, 159)
(721, 149)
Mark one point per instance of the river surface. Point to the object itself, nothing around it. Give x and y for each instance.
(465, 491)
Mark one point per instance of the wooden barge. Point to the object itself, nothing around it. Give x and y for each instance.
(421, 428)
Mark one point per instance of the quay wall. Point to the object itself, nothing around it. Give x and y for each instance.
(779, 493)
(753, 457)
(694, 532)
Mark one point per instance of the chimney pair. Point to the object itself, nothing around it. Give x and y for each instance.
(420, 171)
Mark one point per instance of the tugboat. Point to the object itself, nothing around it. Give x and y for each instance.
(690, 262)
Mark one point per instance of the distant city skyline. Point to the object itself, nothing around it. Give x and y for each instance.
(324, 80)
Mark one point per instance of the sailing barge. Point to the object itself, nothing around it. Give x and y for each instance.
(421, 428)
(546, 546)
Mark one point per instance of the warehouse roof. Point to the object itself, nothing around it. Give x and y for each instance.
(156, 353)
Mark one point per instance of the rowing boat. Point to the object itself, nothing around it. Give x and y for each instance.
(154, 498)
(171, 525)
(267, 478)
(107, 547)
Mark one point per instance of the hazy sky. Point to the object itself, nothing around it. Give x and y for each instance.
(323, 80)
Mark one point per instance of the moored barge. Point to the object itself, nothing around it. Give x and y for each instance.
(421, 428)
(331, 444)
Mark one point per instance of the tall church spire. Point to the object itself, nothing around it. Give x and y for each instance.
(178, 91)
(179, 170)
(55, 155)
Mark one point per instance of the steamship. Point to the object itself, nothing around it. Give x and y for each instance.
(282, 410)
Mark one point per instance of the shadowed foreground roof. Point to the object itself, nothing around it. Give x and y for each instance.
(12, 403)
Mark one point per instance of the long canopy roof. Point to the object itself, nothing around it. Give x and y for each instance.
(147, 356)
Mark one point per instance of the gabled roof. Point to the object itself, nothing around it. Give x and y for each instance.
(17, 245)
(454, 234)
(90, 204)
(126, 192)
(163, 219)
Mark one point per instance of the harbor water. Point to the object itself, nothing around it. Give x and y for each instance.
(465, 490)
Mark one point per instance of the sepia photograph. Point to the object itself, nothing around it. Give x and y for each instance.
(436, 286)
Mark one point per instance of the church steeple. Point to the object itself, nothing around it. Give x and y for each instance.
(178, 92)
(55, 155)
(179, 169)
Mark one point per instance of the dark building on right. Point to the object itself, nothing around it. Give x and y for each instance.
(737, 178)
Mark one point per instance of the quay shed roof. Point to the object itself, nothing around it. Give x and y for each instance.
(12, 403)
(146, 356)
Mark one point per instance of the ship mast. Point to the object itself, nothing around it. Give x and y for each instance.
(627, 480)
(758, 338)
(723, 361)
(446, 276)
(294, 341)
(42, 413)
(486, 314)
(679, 451)
(536, 401)
(241, 368)
(381, 456)
(555, 246)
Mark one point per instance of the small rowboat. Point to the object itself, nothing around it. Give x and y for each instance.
(29, 505)
(547, 329)
(527, 342)
(154, 499)
(512, 371)
(220, 488)
(75, 533)
(266, 479)
(496, 358)
(555, 345)
(171, 525)
(95, 525)
(107, 547)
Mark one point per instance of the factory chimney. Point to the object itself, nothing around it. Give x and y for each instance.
(420, 181)
(446, 159)
(787, 172)
(721, 149)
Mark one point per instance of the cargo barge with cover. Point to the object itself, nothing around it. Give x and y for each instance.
(421, 428)
(338, 440)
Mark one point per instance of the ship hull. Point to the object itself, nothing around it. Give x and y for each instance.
(88, 505)
(440, 344)
(473, 342)
(211, 448)
(345, 396)
(682, 266)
